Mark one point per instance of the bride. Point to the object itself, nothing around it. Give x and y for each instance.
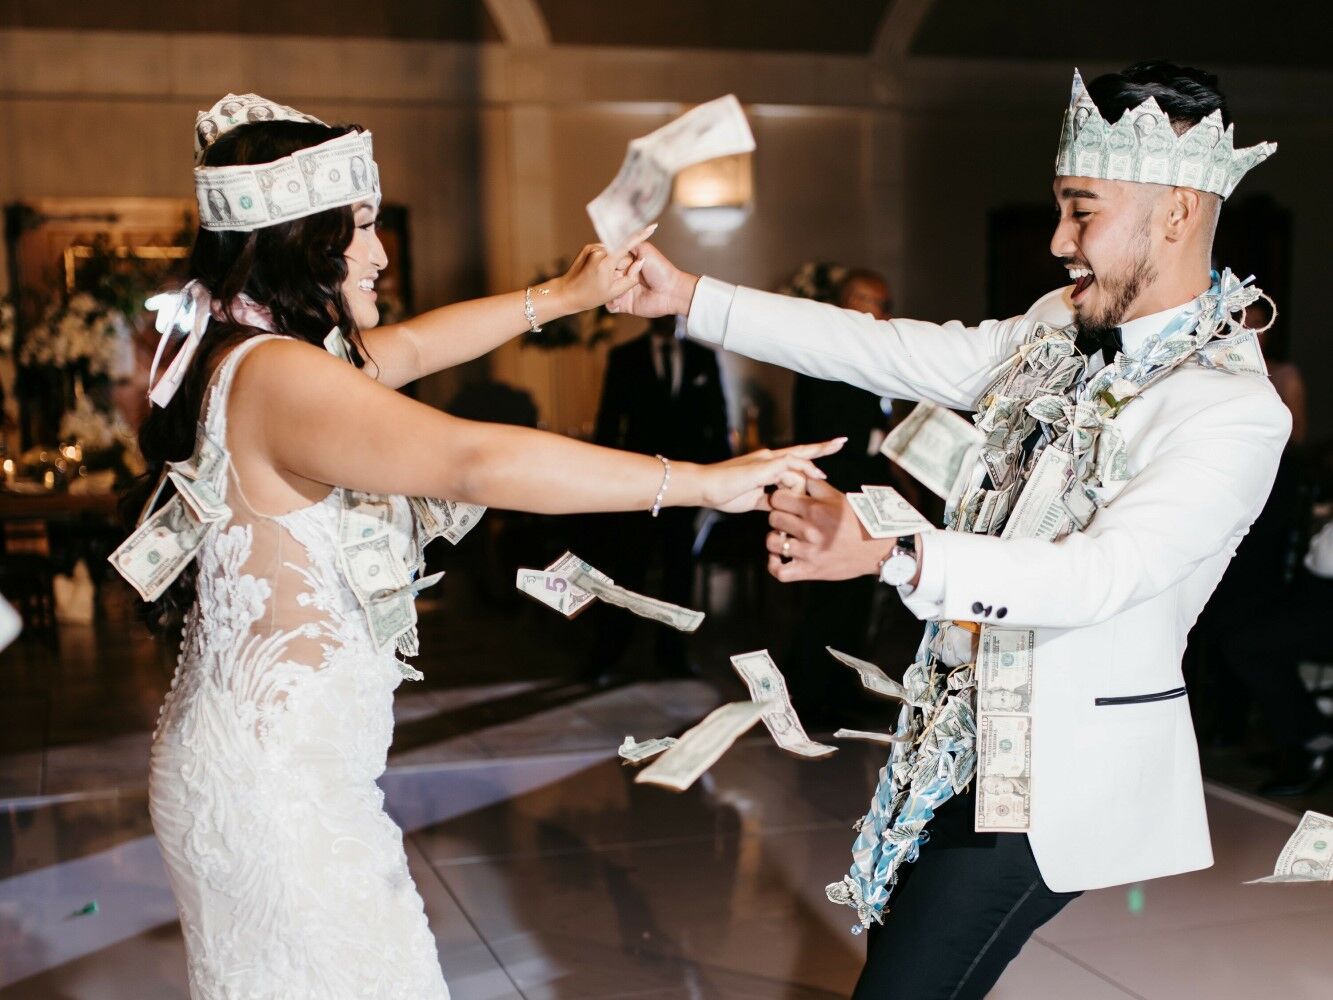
(287, 540)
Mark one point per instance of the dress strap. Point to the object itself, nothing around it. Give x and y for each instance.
(213, 417)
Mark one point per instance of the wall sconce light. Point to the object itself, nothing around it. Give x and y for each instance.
(715, 197)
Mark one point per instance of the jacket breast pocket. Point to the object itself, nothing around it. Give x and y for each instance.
(1140, 699)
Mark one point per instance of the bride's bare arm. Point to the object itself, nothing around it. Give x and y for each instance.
(316, 417)
(450, 335)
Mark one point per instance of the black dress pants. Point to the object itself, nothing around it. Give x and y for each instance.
(960, 914)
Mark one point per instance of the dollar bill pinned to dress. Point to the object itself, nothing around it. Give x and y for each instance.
(967, 714)
(1307, 856)
(168, 537)
(640, 191)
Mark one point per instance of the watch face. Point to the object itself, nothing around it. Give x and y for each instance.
(898, 569)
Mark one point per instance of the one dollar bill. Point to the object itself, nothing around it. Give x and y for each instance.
(160, 548)
(633, 752)
(642, 187)
(682, 619)
(766, 684)
(700, 747)
(1308, 854)
(1004, 769)
(935, 446)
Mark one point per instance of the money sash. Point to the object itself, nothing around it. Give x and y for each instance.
(1044, 387)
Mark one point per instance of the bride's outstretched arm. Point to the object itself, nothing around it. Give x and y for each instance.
(316, 417)
(453, 334)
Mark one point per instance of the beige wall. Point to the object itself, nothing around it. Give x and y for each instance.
(495, 150)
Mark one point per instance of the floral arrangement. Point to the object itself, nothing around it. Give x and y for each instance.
(6, 326)
(80, 333)
(816, 280)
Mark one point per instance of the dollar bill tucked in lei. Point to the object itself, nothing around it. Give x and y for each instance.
(1046, 494)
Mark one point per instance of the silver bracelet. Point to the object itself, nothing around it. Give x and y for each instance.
(661, 490)
(529, 313)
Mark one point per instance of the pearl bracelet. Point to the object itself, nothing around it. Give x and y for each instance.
(661, 490)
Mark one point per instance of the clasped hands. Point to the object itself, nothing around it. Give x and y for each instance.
(819, 536)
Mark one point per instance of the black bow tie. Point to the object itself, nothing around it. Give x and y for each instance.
(1089, 342)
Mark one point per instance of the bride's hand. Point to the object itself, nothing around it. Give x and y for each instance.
(737, 485)
(663, 289)
(596, 278)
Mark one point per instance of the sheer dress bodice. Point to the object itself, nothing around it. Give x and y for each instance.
(290, 878)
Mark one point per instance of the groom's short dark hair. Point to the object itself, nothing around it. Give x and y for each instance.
(1186, 94)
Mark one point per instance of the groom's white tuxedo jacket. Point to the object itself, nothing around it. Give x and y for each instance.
(1116, 791)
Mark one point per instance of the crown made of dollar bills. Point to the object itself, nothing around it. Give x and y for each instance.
(251, 196)
(1143, 147)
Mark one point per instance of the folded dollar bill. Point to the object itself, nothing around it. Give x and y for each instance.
(642, 188)
(633, 752)
(1308, 854)
(885, 514)
(447, 519)
(700, 747)
(554, 586)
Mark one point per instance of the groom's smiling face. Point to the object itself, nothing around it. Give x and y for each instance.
(1105, 237)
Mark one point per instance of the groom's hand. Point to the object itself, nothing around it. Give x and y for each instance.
(822, 535)
(663, 288)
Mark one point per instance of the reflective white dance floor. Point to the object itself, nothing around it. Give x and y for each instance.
(547, 873)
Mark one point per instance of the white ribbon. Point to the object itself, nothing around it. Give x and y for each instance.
(188, 311)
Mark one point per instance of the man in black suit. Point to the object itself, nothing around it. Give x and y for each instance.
(837, 613)
(662, 395)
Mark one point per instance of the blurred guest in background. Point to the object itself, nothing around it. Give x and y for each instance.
(1260, 585)
(661, 394)
(837, 613)
(1264, 645)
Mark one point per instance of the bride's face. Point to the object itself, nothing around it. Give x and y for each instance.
(365, 260)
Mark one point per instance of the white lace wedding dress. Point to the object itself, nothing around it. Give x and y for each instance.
(291, 880)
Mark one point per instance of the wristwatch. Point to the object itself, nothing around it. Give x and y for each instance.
(899, 566)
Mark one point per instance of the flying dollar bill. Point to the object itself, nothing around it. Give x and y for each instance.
(1004, 774)
(861, 734)
(553, 590)
(159, 549)
(766, 684)
(935, 446)
(701, 746)
(872, 677)
(1004, 669)
(632, 752)
(1308, 854)
(642, 188)
(682, 619)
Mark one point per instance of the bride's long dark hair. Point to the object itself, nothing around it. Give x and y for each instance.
(295, 269)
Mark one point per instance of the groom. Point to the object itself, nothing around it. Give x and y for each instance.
(1139, 395)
